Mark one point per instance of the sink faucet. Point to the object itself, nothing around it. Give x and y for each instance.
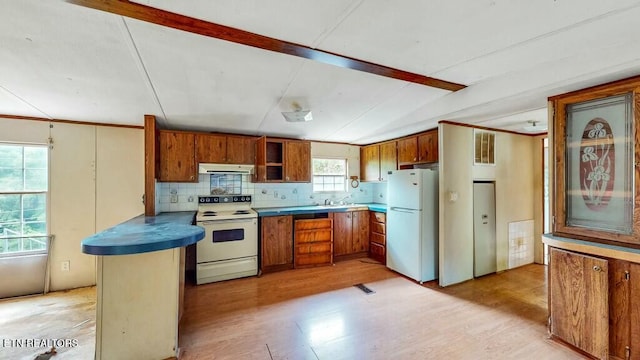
(328, 202)
(341, 201)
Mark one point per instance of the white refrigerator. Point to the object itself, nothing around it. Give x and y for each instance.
(412, 223)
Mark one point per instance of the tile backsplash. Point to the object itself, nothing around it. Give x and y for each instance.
(265, 194)
(520, 243)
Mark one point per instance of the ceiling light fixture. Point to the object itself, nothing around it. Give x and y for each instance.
(297, 115)
(533, 127)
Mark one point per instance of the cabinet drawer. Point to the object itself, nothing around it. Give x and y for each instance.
(379, 217)
(378, 227)
(378, 252)
(310, 236)
(378, 238)
(313, 259)
(309, 224)
(311, 248)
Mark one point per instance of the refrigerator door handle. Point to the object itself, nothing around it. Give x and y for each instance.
(408, 211)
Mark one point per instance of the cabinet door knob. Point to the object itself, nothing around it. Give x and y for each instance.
(597, 268)
(414, 159)
(287, 178)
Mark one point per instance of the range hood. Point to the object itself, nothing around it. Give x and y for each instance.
(225, 169)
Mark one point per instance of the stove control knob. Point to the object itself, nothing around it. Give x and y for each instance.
(248, 198)
(225, 199)
(235, 199)
(242, 198)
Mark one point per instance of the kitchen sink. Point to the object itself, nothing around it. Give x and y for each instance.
(346, 207)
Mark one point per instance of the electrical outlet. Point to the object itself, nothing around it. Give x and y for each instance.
(173, 198)
(66, 265)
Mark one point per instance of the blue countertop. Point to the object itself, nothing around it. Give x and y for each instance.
(314, 209)
(144, 234)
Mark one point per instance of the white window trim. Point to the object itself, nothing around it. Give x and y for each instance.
(346, 175)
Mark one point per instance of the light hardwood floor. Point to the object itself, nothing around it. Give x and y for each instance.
(57, 315)
(317, 314)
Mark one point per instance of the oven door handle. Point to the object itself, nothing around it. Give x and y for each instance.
(226, 221)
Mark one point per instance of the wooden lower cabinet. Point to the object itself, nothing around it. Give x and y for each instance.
(313, 242)
(276, 244)
(378, 237)
(594, 304)
(624, 310)
(351, 234)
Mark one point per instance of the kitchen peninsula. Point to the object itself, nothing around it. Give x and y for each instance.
(140, 281)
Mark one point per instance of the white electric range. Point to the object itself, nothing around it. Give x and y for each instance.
(229, 249)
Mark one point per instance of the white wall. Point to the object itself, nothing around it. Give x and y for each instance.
(455, 148)
(515, 178)
(96, 180)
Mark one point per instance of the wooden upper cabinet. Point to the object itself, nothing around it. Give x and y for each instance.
(279, 160)
(428, 147)
(370, 163)
(297, 161)
(579, 294)
(211, 148)
(225, 149)
(388, 159)
(177, 159)
(241, 150)
(408, 150)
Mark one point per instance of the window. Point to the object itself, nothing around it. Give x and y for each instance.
(329, 175)
(484, 143)
(23, 199)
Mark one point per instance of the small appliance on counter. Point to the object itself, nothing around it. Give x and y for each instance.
(229, 249)
(412, 223)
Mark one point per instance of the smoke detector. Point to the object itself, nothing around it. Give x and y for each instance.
(298, 114)
(534, 127)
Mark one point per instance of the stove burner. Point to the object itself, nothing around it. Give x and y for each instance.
(241, 212)
(209, 213)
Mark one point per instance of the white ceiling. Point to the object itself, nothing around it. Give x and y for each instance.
(63, 61)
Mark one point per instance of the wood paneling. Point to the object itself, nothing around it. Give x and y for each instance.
(205, 28)
(360, 227)
(408, 150)
(428, 147)
(151, 164)
(370, 163)
(559, 104)
(634, 311)
(377, 236)
(619, 336)
(578, 301)
(211, 148)
(241, 150)
(342, 234)
(297, 163)
(388, 159)
(177, 159)
(313, 242)
(276, 243)
(261, 159)
(351, 234)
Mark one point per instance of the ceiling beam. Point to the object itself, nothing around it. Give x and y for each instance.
(205, 28)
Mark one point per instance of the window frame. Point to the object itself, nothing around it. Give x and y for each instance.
(346, 175)
(22, 193)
